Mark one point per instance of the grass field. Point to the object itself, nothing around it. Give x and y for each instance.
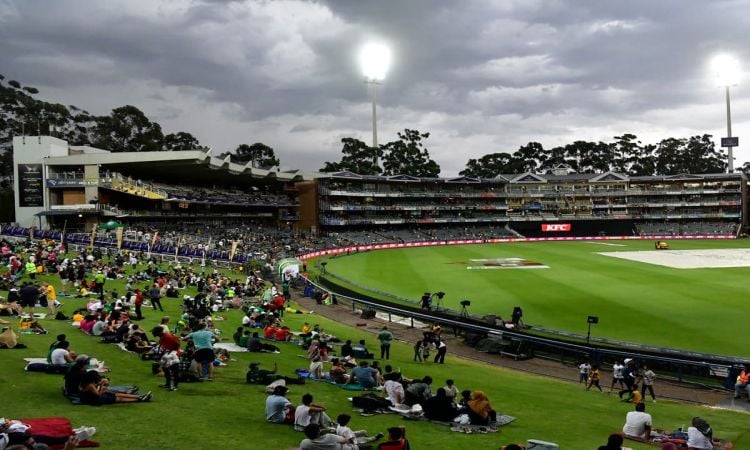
(228, 413)
(693, 309)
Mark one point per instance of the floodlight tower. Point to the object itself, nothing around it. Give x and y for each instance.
(727, 71)
(375, 59)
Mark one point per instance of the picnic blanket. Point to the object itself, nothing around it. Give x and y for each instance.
(719, 444)
(304, 373)
(417, 414)
(230, 347)
(55, 428)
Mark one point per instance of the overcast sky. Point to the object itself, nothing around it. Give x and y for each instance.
(480, 76)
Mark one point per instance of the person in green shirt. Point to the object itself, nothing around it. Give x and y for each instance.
(244, 339)
(31, 270)
(385, 337)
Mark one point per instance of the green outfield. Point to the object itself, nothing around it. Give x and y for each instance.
(559, 284)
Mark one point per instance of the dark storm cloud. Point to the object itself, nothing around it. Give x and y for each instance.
(480, 76)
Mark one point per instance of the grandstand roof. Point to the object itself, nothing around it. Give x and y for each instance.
(194, 165)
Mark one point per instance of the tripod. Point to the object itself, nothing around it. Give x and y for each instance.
(464, 312)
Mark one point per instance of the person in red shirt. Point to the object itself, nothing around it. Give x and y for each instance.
(279, 304)
(283, 334)
(138, 303)
(270, 332)
(170, 360)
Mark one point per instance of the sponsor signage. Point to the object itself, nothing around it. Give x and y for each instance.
(55, 182)
(555, 227)
(730, 141)
(30, 185)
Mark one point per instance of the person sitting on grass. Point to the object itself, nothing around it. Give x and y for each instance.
(480, 410)
(418, 392)
(317, 441)
(358, 438)
(94, 392)
(363, 375)
(440, 407)
(700, 435)
(613, 443)
(60, 338)
(255, 344)
(308, 412)
(638, 422)
(278, 408)
(62, 355)
(256, 375)
(396, 440)
(74, 376)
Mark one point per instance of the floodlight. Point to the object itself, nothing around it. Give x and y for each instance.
(726, 68)
(375, 59)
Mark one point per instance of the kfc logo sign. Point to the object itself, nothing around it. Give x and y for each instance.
(555, 227)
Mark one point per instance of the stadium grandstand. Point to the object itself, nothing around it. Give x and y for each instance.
(196, 202)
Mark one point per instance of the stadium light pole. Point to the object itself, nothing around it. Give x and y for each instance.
(727, 71)
(375, 60)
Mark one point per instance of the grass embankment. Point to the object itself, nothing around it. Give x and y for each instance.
(227, 413)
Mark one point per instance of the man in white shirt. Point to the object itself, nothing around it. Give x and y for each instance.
(61, 356)
(583, 372)
(617, 376)
(308, 412)
(354, 437)
(638, 422)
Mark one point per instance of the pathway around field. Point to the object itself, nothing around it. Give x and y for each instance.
(401, 331)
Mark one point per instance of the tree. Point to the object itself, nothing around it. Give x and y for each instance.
(528, 158)
(408, 156)
(259, 155)
(181, 141)
(357, 157)
(697, 155)
(488, 166)
(128, 129)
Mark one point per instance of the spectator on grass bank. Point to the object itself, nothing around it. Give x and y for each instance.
(364, 375)
(648, 375)
(613, 443)
(154, 294)
(583, 372)
(700, 435)
(638, 422)
(442, 349)
(385, 337)
(480, 410)
(396, 440)
(440, 407)
(617, 369)
(169, 361)
(594, 379)
(278, 408)
(418, 392)
(629, 375)
(308, 413)
(358, 438)
(316, 441)
(204, 352)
